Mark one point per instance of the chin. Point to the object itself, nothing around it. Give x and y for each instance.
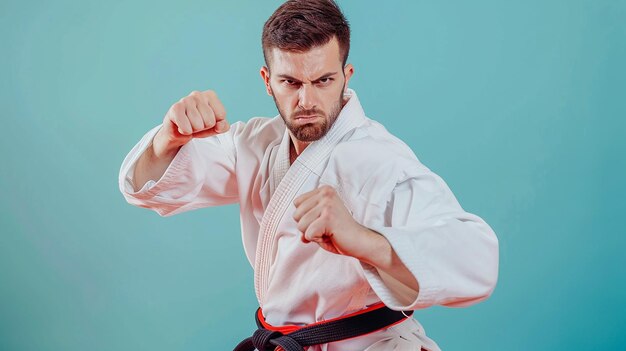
(310, 132)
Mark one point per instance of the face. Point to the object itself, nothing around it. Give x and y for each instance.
(308, 88)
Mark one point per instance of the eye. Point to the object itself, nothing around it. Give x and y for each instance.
(290, 82)
(325, 81)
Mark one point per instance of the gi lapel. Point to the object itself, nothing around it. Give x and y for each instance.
(350, 117)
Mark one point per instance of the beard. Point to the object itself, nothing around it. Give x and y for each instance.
(312, 131)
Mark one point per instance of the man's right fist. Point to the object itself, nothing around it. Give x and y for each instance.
(197, 115)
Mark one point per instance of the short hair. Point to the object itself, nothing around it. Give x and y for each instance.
(300, 25)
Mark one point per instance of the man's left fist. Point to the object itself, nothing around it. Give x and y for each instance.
(323, 218)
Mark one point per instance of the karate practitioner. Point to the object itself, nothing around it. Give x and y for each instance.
(338, 216)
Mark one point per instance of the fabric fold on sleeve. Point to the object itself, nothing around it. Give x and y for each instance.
(201, 174)
(452, 254)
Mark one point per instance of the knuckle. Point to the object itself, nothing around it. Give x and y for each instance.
(194, 93)
(327, 191)
(210, 112)
(219, 114)
(301, 227)
(178, 107)
(186, 101)
(196, 122)
(209, 119)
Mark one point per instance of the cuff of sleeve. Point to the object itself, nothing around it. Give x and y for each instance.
(151, 188)
(413, 260)
(176, 168)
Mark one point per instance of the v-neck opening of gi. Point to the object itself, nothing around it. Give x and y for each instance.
(290, 178)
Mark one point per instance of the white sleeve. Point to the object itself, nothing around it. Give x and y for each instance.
(452, 254)
(201, 174)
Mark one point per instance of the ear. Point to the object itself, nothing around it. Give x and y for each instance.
(265, 74)
(348, 71)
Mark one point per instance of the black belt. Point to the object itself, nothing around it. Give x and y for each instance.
(295, 338)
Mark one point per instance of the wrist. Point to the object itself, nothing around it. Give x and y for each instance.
(383, 257)
(376, 250)
(163, 147)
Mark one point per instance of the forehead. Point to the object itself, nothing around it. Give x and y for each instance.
(309, 64)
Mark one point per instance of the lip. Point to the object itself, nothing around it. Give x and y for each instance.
(306, 117)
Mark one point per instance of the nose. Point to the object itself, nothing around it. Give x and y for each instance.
(307, 97)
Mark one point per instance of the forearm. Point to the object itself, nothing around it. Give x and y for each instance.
(152, 167)
(381, 255)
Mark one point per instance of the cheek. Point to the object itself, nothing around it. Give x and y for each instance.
(287, 99)
(286, 102)
(331, 96)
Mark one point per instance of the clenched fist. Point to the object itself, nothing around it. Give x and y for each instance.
(323, 218)
(197, 115)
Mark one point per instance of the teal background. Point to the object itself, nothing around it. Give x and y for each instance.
(519, 106)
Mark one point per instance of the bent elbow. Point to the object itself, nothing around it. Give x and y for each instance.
(483, 277)
(479, 276)
(490, 266)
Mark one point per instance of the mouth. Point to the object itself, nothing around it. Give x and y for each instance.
(306, 118)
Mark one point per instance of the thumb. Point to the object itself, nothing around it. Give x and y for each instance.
(205, 133)
(219, 128)
(222, 126)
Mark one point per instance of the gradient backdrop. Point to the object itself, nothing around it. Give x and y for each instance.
(519, 106)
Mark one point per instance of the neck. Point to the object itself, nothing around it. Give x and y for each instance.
(296, 148)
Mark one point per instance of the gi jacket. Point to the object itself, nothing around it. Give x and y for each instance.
(452, 254)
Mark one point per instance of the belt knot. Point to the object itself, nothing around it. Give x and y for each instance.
(267, 340)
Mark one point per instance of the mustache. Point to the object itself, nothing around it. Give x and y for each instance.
(313, 111)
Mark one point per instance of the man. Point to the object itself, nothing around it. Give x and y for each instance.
(340, 220)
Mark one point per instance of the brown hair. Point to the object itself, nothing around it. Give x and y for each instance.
(299, 25)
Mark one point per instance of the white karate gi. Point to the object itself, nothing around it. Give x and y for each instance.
(453, 254)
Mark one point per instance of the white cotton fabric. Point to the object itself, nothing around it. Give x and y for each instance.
(452, 254)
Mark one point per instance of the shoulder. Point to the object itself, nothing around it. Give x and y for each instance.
(256, 133)
(370, 161)
(370, 148)
(264, 127)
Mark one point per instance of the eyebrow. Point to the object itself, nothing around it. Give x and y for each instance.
(325, 75)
